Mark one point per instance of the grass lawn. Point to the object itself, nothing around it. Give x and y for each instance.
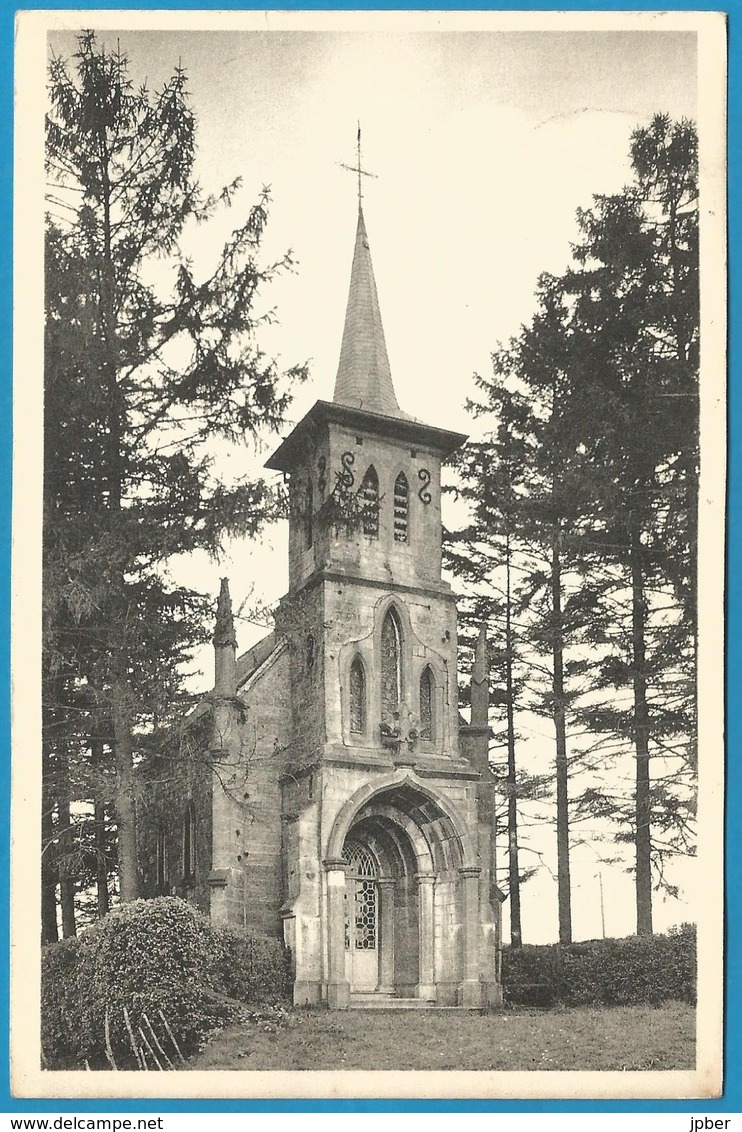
(622, 1037)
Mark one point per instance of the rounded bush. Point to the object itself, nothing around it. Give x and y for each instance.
(150, 958)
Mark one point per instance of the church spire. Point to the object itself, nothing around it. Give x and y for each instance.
(364, 379)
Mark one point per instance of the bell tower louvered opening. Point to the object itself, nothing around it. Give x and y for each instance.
(401, 508)
(369, 498)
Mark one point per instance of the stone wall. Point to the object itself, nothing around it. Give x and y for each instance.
(406, 937)
(300, 622)
(307, 552)
(269, 735)
(235, 789)
(247, 881)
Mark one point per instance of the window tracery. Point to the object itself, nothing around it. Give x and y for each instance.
(362, 863)
(357, 697)
(427, 705)
(361, 901)
(391, 667)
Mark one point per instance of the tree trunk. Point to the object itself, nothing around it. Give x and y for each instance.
(49, 927)
(99, 825)
(516, 934)
(562, 770)
(65, 842)
(101, 864)
(121, 693)
(124, 799)
(641, 737)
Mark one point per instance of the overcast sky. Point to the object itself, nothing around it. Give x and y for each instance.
(484, 145)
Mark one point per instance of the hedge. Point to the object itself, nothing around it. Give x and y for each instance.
(250, 968)
(610, 972)
(60, 1004)
(145, 960)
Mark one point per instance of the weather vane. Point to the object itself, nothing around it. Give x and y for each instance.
(357, 168)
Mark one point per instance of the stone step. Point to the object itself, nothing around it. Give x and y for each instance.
(389, 1002)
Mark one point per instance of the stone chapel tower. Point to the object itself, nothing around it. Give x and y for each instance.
(387, 849)
(327, 789)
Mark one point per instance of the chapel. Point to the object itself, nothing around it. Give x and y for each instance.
(328, 791)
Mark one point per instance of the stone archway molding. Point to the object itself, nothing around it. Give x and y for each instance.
(401, 777)
(409, 828)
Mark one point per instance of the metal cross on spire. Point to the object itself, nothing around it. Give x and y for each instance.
(358, 168)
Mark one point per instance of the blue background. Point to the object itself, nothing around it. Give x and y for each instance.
(732, 1098)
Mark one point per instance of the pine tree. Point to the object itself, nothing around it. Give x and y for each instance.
(143, 379)
(635, 326)
(486, 557)
(605, 515)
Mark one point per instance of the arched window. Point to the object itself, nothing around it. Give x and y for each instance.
(189, 842)
(361, 862)
(369, 497)
(391, 667)
(357, 697)
(427, 705)
(162, 861)
(308, 516)
(401, 508)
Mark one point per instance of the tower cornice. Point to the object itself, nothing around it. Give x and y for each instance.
(440, 592)
(293, 449)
